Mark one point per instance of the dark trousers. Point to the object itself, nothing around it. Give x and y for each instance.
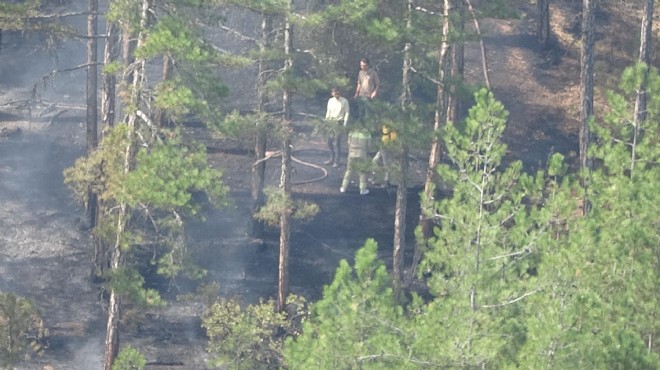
(335, 138)
(364, 107)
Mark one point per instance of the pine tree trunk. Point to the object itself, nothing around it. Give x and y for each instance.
(285, 226)
(108, 92)
(128, 56)
(426, 222)
(401, 207)
(457, 63)
(543, 24)
(92, 104)
(111, 342)
(108, 98)
(256, 227)
(586, 78)
(160, 116)
(285, 179)
(112, 328)
(644, 57)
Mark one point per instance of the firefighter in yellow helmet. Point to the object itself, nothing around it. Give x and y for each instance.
(384, 157)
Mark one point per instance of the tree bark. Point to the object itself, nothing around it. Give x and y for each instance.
(109, 86)
(457, 64)
(92, 104)
(426, 222)
(108, 103)
(398, 256)
(401, 207)
(644, 57)
(160, 116)
(111, 342)
(256, 227)
(543, 24)
(112, 328)
(586, 79)
(285, 178)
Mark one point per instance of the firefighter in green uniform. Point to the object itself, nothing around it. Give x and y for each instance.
(358, 160)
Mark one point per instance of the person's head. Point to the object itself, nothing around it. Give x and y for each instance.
(335, 92)
(364, 63)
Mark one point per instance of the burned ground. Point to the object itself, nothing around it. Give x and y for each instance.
(45, 256)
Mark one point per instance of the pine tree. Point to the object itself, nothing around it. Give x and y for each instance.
(603, 265)
(485, 243)
(624, 223)
(357, 324)
(143, 171)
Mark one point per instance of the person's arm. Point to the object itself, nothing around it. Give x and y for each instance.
(376, 85)
(347, 111)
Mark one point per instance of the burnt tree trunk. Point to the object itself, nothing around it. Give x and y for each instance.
(256, 227)
(285, 178)
(543, 24)
(91, 205)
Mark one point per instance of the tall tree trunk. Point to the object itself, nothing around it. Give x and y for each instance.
(401, 207)
(426, 222)
(586, 78)
(399, 250)
(92, 104)
(112, 328)
(285, 179)
(644, 57)
(160, 116)
(108, 98)
(457, 64)
(543, 24)
(109, 86)
(111, 343)
(127, 52)
(256, 227)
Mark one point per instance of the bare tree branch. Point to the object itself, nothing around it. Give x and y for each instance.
(513, 300)
(484, 61)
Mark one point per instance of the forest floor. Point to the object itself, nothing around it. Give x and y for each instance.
(45, 256)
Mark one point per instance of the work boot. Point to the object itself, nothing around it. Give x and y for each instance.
(332, 159)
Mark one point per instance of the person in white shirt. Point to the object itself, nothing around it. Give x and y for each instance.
(336, 115)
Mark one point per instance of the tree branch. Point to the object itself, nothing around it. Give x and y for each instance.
(513, 300)
(238, 34)
(484, 61)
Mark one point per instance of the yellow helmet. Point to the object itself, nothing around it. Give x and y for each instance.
(388, 134)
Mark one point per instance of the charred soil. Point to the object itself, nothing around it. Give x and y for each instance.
(45, 256)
